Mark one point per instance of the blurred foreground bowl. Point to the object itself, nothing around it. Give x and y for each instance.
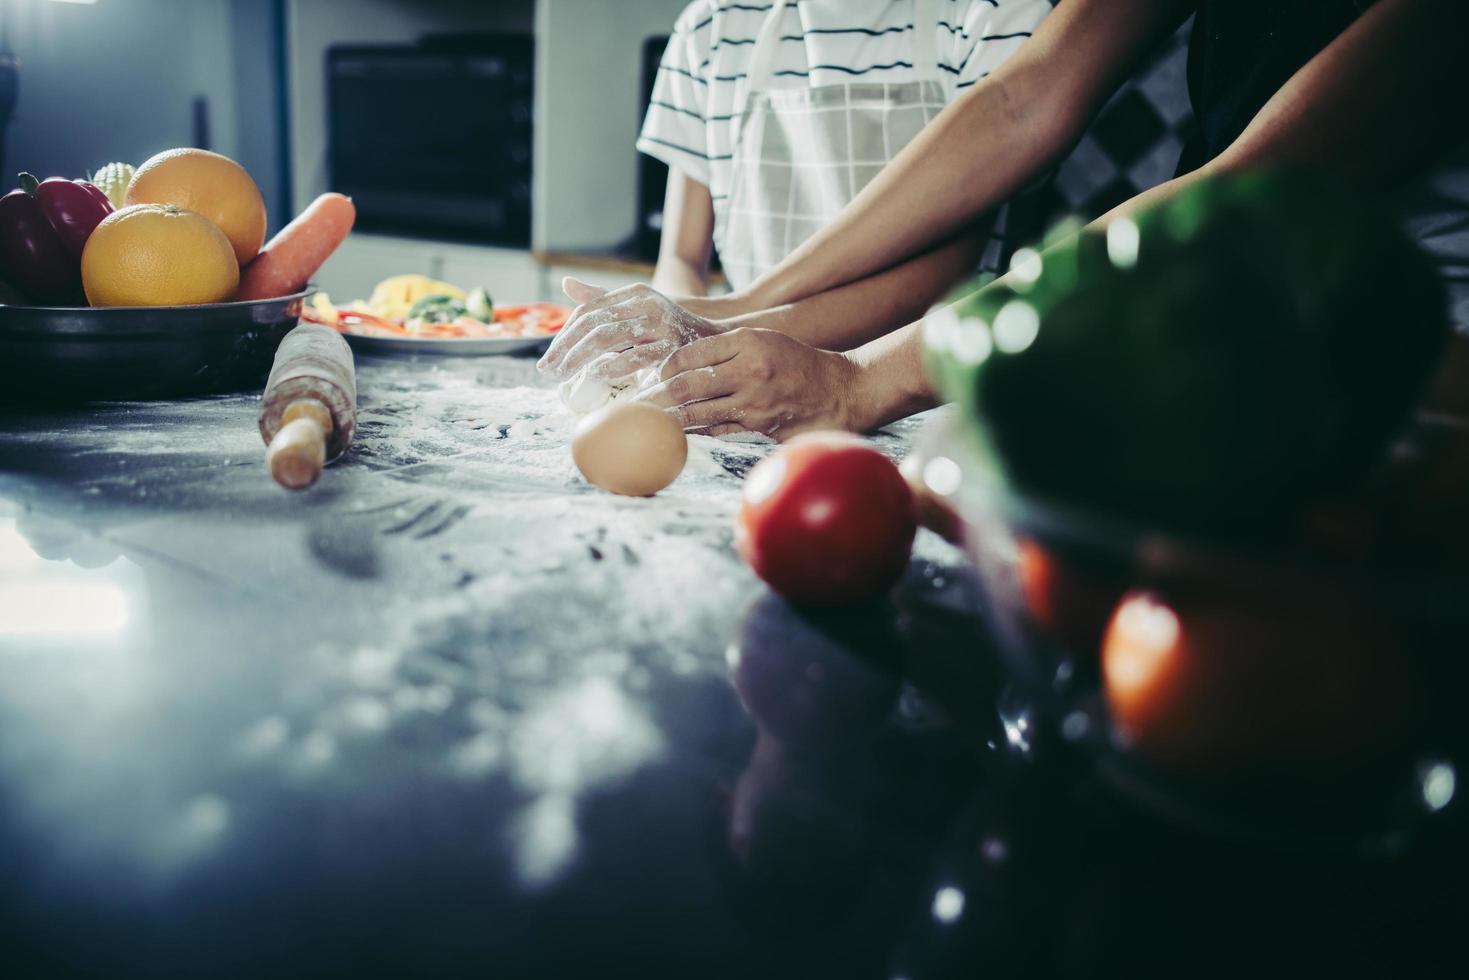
(1267, 694)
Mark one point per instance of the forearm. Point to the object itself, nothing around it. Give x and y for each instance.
(676, 276)
(851, 315)
(687, 240)
(892, 382)
(1356, 112)
(941, 182)
(1376, 106)
(982, 149)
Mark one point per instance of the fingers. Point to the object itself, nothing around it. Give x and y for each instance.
(560, 344)
(606, 307)
(584, 322)
(691, 386)
(724, 429)
(706, 352)
(709, 415)
(630, 361)
(576, 325)
(616, 331)
(581, 292)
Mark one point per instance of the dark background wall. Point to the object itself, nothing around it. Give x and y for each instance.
(123, 79)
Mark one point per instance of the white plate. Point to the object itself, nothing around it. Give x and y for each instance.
(437, 347)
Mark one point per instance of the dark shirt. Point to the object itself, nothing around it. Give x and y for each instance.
(1240, 54)
(1242, 51)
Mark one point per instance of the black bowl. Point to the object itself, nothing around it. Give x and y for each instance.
(83, 354)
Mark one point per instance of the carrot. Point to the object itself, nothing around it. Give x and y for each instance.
(292, 257)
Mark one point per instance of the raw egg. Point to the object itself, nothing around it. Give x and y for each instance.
(630, 448)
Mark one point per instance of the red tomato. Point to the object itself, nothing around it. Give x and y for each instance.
(827, 519)
(1220, 685)
(1070, 604)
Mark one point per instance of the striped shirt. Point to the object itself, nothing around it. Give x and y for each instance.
(691, 121)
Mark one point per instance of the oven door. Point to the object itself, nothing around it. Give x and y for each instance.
(435, 140)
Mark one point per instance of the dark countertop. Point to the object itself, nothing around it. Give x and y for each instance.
(455, 712)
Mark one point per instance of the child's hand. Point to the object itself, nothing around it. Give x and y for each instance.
(638, 322)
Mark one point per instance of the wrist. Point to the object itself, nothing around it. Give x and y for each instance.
(864, 397)
(887, 382)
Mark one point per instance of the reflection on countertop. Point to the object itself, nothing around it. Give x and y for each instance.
(55, 582)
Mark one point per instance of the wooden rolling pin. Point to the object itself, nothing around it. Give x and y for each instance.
(309, 408)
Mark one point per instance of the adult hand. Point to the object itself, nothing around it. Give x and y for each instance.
(637, 323)
(755, 380)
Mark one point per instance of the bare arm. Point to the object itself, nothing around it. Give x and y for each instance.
(1367, 110)
(971, 158)
(982, 149)
(851, 315)
(641, 326)
(1376, 106)
(688, 237)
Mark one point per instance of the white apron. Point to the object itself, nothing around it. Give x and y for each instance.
(802, 154)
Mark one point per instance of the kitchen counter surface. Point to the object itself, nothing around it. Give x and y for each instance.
(454, 711)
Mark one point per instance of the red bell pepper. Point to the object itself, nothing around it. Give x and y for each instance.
(43, 228)
(74, 207)
(32, 254)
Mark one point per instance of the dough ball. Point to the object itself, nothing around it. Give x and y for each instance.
(584, 394)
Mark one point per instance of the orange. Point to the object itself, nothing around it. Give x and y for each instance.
(212, 185)
(158, 255)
